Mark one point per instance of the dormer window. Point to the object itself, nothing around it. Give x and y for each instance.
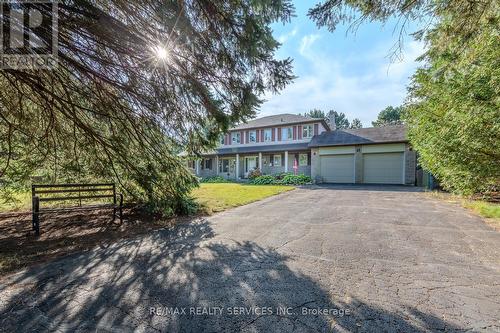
(307, 131)
(286, 134)
(236, 137)
(252, 136)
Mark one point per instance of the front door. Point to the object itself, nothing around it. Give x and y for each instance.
(227, 168)
(251, 163)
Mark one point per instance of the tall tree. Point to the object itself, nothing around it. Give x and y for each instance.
(454, 110)
(355, 124)
(315, 113)
(135, 82)
(389, 116)
(341, 121)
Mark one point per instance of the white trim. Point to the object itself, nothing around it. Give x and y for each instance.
(286, 160)
(404, 167)
(237, 166)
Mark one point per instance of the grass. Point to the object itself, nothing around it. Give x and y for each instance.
(483, 208)
(218, 197)
(15, 201)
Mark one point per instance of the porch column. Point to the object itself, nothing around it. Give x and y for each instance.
(217, 164)
(237, 166)
(260, 162)
(286, 161)
(197, 163)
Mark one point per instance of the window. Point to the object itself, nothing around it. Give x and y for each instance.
(286, 134)
(207, 163)
(236, 137)
(276, 160)
(252, 136)
(307, 131)
(191, 164)
(221, 139)
(302, 159)
(268, 135)
(224, 166)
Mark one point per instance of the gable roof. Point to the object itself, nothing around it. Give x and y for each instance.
(278, 120)
(386, 134)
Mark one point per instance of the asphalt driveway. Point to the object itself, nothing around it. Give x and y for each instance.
(368, 259)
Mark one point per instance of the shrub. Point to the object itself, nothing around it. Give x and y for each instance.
(254, 173)
(214, 179)
(291, 179)
(264, 180)
(281, 175)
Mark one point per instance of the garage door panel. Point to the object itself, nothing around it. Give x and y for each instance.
(383, 168)
(337, 168)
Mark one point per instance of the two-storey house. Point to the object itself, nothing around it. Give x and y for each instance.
(303, 145)
(273, 144)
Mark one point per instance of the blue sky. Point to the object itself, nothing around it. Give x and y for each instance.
(345, 71)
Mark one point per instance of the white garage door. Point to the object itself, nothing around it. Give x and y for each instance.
(383, 168)
(337, 168)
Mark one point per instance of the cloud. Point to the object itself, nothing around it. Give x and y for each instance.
(306, 42)
(285, 37)
(360, 85)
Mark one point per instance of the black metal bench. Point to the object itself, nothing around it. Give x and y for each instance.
(74, 192)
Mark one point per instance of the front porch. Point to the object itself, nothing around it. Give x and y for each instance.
(238, 166)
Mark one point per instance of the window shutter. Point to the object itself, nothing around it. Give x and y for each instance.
(247, 134)
(294, 133)
(279, 133)
(316, 129)
(257, 137)
(262, 135)
(299, 132)
(273, 135)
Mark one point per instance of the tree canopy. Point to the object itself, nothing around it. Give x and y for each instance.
(389, 116)
(454, 110)
(341, 120)
(114, 107)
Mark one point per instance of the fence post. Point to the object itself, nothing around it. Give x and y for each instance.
(36, 215)
(114, 202)
(121, 208)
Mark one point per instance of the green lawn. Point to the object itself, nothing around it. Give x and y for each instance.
(220, 196)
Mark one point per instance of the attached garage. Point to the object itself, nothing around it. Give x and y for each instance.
(337, 168)
(383, 168)
(379, 155)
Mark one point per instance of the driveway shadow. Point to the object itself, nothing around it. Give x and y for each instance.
(136, 284)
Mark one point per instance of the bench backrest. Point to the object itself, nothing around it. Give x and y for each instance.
(66, 192)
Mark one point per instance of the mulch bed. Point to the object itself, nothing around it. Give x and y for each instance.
(67, 232)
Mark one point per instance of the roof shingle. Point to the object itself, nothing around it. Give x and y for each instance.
(276, 120)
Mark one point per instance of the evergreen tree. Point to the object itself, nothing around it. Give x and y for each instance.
(137, 82)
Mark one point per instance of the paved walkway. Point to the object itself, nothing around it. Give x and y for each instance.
(318, 259)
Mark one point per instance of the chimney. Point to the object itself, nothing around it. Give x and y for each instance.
(331, 118)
